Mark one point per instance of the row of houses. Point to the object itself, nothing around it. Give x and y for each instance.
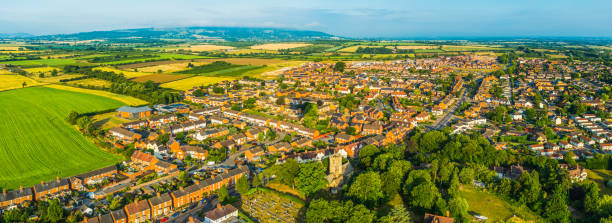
(163, 204)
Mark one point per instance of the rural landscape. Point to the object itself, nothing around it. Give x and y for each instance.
(233, 124)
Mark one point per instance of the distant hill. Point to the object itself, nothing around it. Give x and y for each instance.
(15, 35)
(195, 33)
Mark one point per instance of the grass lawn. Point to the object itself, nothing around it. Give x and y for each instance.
(286, 189)
(122, 98)
(37, 143)
(600, 177)
(43, 62)
(489, 205)
(13, 81)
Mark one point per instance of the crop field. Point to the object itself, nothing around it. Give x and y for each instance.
(160, 78)
(188, 83)
(127, 74)
(42, 62)
(163, 56)
(201, 48)
(37, 143)
(91, 82)
(413, 47)
(44, 70)
(118, 97)
(107, 120)
(3, 71)
(169, 68)
(13, 81)
(470, 48)
(56, 79)
(278, 46)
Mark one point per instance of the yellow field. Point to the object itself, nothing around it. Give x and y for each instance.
(10, 81)
(169, 68)
(41, 69)
(352, 49)
(91, 82)
(188, 83)
(413, 47)
(55, 79)
(10, 48)
(201, 48)
(127, 74)
(2, 71)
(279, 46)
(247, 51)
(122, 98)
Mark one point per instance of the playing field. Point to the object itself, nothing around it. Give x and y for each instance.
(37, 144)
(13, 81)
(492, 207)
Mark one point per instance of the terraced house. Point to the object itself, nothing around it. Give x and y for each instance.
(96, 176)
(138, 211)
(124, 134)
(15, 197)
(161, 204)
(51, 188)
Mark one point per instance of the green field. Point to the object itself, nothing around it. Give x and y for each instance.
(492, 207)
(600, 177)
(37, 144)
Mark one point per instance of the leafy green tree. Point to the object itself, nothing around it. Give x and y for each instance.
(360, 214)
(397, 214)
(256, 181)
(591, 196)
(350, 130)
(458, 207)
(242, 185)
(72, 117)
(223, 194)
(367, 188)
(424, 195)
(339, 66)
(55, 212)
(432, 141)
(569, 159)
(289, 171)
(467, 175)
(453, 188)
(556, 207)
(311, 178)
(280, 100)
(367, 154)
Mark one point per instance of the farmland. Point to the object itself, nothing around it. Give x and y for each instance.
(42, 62)
(118, 97)
(160, 78)
(205, 47)
(127, 74)
(13, 81)
(278, 46)
(188, 83)
(38, 144)
(91, 82)
(55, 79)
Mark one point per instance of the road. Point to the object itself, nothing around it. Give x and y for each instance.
(449, 115)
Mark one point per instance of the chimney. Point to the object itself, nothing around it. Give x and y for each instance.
(191, 218)
(197, 182)
(58, 179)
(4, 191)
(181, 188)
(219, 205)
(226, 171)
(42, 182)
(158, 194)
(447, 214)
(20, 188)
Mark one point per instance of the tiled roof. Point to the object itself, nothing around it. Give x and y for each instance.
(133, 109)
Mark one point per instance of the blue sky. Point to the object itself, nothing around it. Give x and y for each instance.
(356, 18)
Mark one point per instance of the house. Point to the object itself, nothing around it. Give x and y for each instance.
(430, 218)
(253, 133)
(279, 147)
(606, 146)
(303, 142)
(254, 154)
(179, 198)
(51, 188)
(124, 134)
(143, 158)
(134, 112)
(221, 214)
(15, 197)
(138, 211)
(239, 138)
(165, 167)
(372, 129)
(119, 216)
(107, 218)
(576, 173)
(161, 205)
(218, 120)
(93, 177)
(536, 147)
(161, 120)
(135, 124)
(342, 138)
(195, 152)
(229, 144)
